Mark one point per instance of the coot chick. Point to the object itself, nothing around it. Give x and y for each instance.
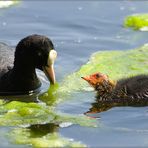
(34, 51)
(128, 90)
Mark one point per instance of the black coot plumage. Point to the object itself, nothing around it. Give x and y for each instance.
(19, 77)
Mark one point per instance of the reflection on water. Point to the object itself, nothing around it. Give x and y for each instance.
(22, 98)
(41, 135)
(40, 130)
(100, 106)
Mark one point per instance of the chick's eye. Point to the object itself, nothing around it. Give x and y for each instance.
(97, 75)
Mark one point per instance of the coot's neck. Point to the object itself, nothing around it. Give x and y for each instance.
(24, 70)
(25, 76)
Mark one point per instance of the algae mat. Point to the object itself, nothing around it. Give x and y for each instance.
(37, 124)
(137, 22)
(16, 113)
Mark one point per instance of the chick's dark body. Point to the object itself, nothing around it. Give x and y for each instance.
(133, 85)
(130, 89)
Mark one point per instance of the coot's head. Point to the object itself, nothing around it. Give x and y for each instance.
(36, 51)
(100, 82)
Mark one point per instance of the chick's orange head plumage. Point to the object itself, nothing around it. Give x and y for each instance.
(97, 78)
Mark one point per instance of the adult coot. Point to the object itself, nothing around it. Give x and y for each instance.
(19, 77)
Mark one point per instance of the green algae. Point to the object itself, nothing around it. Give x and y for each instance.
(137, 22)
(28, 117)
(24, 136)
(20, 113)
(16, 113)
(50, 97)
